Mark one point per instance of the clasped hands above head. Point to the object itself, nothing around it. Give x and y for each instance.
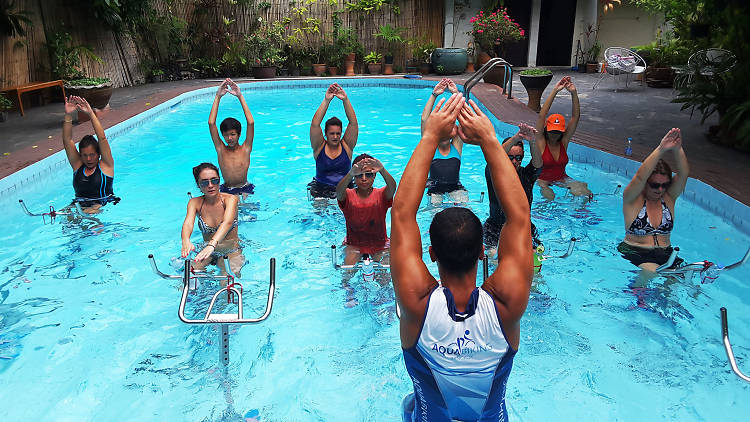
(474, 126)
(229, 86)
(335, 90)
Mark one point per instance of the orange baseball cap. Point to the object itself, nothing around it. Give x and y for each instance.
(555, 122)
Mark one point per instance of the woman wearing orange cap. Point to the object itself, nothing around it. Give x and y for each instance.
(552, 138)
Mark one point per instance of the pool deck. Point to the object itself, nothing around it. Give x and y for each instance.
(607, 118)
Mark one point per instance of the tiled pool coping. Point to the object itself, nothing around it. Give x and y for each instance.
(696, 191)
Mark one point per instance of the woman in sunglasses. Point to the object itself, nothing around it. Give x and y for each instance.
(364, 209)
(217, 220)
(552, 138)
(648, 205)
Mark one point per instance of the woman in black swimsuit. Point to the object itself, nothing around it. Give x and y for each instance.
(648, 204)
(93, 165)
(217, 220)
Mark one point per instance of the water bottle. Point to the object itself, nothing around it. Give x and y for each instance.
(710, 274)
(368, 270)
(629, 147)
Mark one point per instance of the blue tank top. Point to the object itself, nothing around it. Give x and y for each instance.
(461, 361)
(330, 171)
(95, 186)
(445, 169)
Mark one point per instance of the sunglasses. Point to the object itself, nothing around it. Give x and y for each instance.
(659, 185)
(368, 175)
(204, 183)
(516, 157)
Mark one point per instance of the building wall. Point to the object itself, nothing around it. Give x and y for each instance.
(457, 25)
(628, 26)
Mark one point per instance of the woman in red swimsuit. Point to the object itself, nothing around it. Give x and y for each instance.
(364, 209)
(552, 138)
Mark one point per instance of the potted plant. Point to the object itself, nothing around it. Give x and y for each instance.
(97, 91)
(5, 105)
(422, 49)
(350, 46)
(391, 36)
(491, 33)
(592, 58)
(264, 47)
(661, 57)
(470, 58)
(373, 60)
(535, 81)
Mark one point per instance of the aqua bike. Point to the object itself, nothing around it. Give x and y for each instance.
(366, 264)
(73, 210)
(728, 346)
(191, 279)
(709, 271)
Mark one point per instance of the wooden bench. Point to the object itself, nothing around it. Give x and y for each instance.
(33, 86)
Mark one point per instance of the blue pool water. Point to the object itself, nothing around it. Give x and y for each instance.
(89, 333)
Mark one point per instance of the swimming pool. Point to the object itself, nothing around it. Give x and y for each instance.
(88, 332)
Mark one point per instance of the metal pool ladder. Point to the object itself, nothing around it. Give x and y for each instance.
(495, 61)
(190, 284)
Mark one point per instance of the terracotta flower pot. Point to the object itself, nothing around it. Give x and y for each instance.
(495, 76)
(483, 58)
(264, 72)
(373, 68)
(97, 96)
(333, 70)
(349, 67)
(659, 77)
(319, 69)
(470, 67)
(388, 69)
(592, 67)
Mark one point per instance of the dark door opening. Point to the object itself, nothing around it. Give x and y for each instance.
(556, 24)
(517, 53)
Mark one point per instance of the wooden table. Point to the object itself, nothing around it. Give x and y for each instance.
(33, 86)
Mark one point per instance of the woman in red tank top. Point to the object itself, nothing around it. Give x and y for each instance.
(552, 138)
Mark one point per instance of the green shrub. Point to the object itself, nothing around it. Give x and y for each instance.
(536, 72)
(88, 81)
(5, 103)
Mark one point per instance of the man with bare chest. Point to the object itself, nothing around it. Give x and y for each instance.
(234, 158)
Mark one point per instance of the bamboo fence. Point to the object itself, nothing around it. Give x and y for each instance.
(27, 59)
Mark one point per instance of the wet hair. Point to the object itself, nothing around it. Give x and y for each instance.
(360, 157)
(89, 141)
(202, 166)
(456, 238)
(662, 168)
(333, 121)
(230, 123)
(515, 144)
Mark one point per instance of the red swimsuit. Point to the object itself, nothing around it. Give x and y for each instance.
(552, 170)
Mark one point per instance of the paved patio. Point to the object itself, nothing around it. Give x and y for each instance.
(607, 118)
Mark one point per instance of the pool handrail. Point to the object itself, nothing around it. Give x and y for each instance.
(51, 214)
(567, 253)
(157, 271)
(664, 269)
(728, 346)
(212, 318)
(495, 61)
(334, 261)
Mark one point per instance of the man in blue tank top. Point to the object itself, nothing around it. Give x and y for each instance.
(332, 152)
(458, 340)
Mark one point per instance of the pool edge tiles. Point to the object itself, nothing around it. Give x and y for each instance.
(696, 191)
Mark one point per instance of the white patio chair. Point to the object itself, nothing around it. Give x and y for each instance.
(622, 61)
(708, 63)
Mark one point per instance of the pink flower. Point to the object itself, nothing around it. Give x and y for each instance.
(522, 33)
(480, 30)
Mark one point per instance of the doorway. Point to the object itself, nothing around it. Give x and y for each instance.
(517, 53)
(556, 25)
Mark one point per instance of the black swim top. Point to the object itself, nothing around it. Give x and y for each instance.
(205, 228)
(444, 169)
(642, 227)
(96, 186)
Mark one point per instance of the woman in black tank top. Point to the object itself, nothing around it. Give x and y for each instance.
(92, 163)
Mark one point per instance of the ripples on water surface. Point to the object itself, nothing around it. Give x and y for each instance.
(87, 332)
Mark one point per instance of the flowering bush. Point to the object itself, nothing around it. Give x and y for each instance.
(496, 28)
